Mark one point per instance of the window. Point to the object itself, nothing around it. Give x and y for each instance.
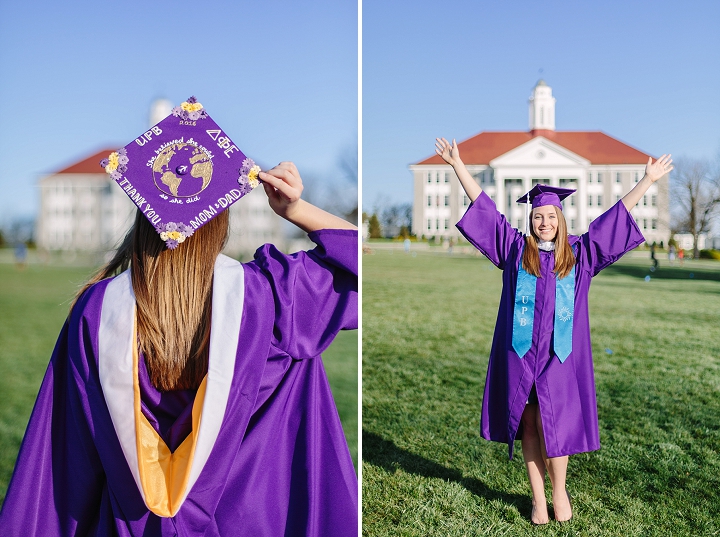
(645, 223)
(447, 202)
(572, 224)
(617, 178)
(447, 177)
(572, 201)
(437, 201)
(437, 224)
(653, 201)
(637, 179)
(617, 198)
(466, 201)
(589, 177)
(644, 201)
(429, 201)
(429, 224)
(653, 224)
(600, 178)
(437, 177)
(447, 223)
(429, 177)
(599, 200)
(519, 223)
(589, 200)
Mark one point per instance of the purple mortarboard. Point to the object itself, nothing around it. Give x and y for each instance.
(182, 172)
(541, 195)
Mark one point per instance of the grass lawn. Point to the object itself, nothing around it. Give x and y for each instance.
(33, 307)
(428, 322)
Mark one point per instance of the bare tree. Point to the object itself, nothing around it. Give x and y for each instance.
(390, 220)
(695, 196)
(343, 198)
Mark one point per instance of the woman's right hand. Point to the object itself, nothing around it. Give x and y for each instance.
(449, 152)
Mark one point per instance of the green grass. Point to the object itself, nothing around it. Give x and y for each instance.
(427, 328)
(33, 307)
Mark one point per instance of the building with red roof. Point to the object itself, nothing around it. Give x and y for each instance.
(507, 164)
(80, 209)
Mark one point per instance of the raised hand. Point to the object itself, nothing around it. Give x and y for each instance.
(283, 186)
(655, 170)
(449, 152)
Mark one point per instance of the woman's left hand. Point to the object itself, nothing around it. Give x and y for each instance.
(283, 186)
(655, 170)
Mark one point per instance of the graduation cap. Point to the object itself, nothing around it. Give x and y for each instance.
(182, 172)
(541, 195)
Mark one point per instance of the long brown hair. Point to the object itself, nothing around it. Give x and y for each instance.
(564, 257)
(173, 295)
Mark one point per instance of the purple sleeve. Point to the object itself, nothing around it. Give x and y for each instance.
(57, 484)
(315, 292)
(609, 237)
(488, 230)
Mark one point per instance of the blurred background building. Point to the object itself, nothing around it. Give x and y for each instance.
(507, 164)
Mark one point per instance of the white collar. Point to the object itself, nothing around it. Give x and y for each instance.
(546, 246)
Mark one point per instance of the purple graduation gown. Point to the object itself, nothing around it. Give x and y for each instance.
(280, 464)
(565, 391)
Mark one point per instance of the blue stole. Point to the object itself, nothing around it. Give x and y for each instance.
(524, 312)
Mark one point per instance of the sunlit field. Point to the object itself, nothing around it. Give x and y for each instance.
(428, 321)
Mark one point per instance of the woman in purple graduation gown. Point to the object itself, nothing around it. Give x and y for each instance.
(540, 386)
(237, 432)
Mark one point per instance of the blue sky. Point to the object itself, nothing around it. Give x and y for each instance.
(78, 76)
(281, 77)
(646, 73)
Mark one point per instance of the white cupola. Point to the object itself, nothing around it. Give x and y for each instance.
(159, 110)
(542, 107)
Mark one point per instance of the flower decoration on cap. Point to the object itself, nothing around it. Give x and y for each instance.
(174, 233)
(190, 109)
(116, 163)
(249, 172)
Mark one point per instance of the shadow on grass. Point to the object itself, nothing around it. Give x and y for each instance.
(385, 454)
(664, 272)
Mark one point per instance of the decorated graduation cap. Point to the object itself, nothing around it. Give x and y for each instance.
(182, 172)
(541, 195)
